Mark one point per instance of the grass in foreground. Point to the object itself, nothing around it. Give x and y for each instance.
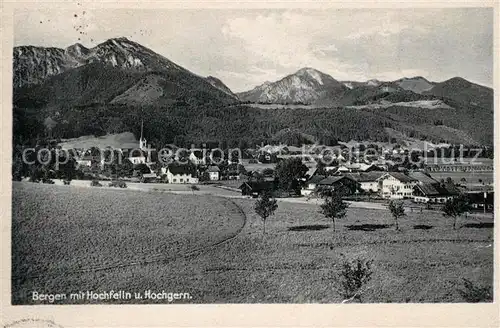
(299, 258)
(59, 230)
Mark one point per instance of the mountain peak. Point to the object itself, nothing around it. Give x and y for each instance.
(311, 73)
(33, 65)
(306, 86)
(77, 50)
(121, 38)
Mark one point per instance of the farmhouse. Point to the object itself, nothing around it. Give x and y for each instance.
(338, 182)
(180, 174)
(311, 185)
(422, 178)
(358, 167)
(148, 177)
(213, 172)
(368, 180)
(434, 193)
(255, 188)
(396, 185)
(481, 199)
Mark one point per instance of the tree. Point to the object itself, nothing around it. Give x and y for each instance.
(125, 169)
(321, 168)
(194, 188)
(354, 276)
(17, 169)
(205, 176)
(397, 210)
(455, 207)
(472, 293)
(142, 168)
(265, 207)
(68, 169)
(334, 207)
(268, 172)
(289, 171)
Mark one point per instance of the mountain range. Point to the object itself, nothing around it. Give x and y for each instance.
(106, 88)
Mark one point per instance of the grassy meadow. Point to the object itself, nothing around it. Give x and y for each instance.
(93, 239)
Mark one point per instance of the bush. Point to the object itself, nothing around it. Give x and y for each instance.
(475, 294)
(118, 184)
(95, 183)
(354, 276)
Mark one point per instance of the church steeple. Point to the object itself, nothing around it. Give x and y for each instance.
(142, 140)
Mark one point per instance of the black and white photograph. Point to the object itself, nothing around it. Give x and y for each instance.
(252, 155)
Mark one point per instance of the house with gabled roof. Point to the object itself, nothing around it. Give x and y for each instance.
(367, 180)
(255, 188)
(311, 185)
(213, 172)
(180, 174)
(358, 167)
(434, 192)
(423, 177)
(338, 182)
(396, 185)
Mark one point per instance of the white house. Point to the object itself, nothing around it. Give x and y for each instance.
(137, 160)
(213, 172)
(396, 185)
(311, 185)
(179, 174)
(136, 156)
(369, 181)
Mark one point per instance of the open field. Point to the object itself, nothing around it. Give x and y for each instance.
(59, 230)
(296, 261)
(120, 140)
(472, 178)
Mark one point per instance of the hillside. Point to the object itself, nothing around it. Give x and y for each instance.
(215, 82)
(112, 87)
(465, 92)
(118, 56)
(416, 84)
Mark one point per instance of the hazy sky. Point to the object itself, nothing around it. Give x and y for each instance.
(245, 48)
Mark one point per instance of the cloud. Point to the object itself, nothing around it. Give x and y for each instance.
(247, 47)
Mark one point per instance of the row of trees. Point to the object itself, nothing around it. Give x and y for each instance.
(334, 207)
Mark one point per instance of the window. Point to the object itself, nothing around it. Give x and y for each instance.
(174, 180)
(180, 180)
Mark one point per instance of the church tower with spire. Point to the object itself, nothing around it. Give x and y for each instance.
(142, 141)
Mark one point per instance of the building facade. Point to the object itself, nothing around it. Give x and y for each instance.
(395, 185)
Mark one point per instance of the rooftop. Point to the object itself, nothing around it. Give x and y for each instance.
(213, 168)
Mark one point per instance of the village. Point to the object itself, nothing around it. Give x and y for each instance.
(361, 172)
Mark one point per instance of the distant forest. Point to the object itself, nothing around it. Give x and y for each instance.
(239, 125)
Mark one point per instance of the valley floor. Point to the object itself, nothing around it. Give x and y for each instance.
(213, 248)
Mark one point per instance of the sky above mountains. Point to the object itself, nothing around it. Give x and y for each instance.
(245, 48)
